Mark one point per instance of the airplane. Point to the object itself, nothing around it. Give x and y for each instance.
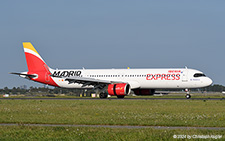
(113, 82)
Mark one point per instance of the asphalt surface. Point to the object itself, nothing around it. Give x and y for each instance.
(111, 99)
(113, 126)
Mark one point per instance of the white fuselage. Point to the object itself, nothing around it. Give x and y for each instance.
(179, 78)
(115, 82)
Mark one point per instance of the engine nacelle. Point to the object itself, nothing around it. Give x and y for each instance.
(118, 89)
(144, 91)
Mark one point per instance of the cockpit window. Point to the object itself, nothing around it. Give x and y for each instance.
(199, 75)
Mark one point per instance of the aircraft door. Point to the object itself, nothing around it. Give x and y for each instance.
(184, 75)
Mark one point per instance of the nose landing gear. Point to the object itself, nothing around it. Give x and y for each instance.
(188, 96)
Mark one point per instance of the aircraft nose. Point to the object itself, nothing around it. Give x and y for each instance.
(209, 81)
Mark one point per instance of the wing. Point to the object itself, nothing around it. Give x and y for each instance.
(85, 81)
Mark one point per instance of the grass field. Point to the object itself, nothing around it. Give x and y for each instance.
(198, 113)
(85, 133)
(115, 112)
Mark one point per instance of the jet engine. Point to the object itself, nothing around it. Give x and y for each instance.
(118, 89)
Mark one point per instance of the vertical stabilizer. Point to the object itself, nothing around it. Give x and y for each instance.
(37, 66)
(34, 61)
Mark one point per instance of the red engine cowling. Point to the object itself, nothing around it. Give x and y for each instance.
(118, 89)
(144, 91)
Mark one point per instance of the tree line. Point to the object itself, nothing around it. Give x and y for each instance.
(42, 91)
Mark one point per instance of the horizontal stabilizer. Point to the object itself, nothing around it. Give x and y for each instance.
(25, 75)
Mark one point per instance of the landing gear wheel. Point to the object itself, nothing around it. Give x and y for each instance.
(188, 96)
(120, 96)
(103, 95)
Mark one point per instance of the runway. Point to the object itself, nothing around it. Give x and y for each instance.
(111, 99)
(114, 126)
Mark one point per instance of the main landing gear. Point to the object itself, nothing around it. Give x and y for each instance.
(103, 95)
(188, 96)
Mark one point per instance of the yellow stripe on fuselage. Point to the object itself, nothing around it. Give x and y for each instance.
(28, 45)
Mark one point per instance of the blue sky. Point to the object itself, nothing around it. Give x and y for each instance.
(113, 34)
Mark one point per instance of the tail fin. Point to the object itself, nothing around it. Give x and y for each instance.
(34, 61)
(37, 66)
